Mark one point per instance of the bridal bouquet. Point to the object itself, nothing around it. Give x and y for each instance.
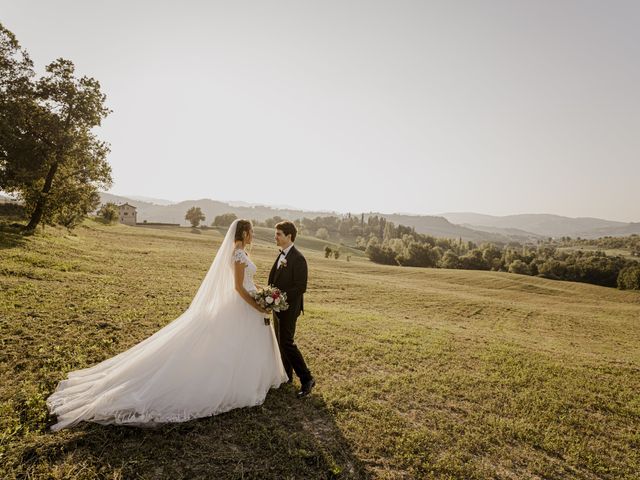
(271, 299)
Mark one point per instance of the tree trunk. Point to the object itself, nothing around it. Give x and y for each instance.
(39, 210)
(36, 216)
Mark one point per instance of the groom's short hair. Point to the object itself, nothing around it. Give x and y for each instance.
(288, 228)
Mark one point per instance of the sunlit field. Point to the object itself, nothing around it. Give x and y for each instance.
(421, 373)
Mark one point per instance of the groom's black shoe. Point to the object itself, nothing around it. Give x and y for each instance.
(306, 388)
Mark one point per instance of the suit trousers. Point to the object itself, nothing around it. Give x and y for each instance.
(285, 328)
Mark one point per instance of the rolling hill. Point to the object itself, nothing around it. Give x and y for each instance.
(468, 226)
(545, 225)
(174, 213)
(422, 373)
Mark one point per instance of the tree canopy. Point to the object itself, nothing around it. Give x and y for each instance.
(49, 155)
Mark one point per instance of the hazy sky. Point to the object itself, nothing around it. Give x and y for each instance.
(497, 107)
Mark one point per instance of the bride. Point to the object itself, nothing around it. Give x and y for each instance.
(216, 356)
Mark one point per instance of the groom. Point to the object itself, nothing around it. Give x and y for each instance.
(289, 274)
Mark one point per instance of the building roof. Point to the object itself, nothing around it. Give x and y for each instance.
(122, 205)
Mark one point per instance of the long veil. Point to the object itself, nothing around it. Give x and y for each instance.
(96, 389)
(218, 284)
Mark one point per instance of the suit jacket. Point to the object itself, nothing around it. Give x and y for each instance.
(291, 279)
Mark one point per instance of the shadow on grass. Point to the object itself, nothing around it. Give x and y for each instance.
(11, 235)
(284, 438)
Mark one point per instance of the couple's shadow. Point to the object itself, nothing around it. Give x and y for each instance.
(284, 438)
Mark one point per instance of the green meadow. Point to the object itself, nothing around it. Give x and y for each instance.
(421, 373)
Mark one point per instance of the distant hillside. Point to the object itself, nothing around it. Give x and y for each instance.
(622, 231)
(175, 212)
(527, 228)
(441, 227)
(546, 225)
(157, 201)
(521, 236)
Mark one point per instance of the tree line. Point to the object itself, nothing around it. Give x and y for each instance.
(631, 243)
(400, 247)
(387, 243)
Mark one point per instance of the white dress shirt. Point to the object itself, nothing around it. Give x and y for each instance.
(284, 254)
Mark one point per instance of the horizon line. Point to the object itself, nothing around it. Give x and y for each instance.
(275, 207)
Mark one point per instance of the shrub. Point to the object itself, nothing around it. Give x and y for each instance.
(629, 278)
(378, 254)
(322, 234)
(552, 268)
(449, 260)
(109, 212)
(518, 266)
(473, 261)
(418, 255)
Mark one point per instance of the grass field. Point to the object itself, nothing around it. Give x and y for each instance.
(422, 373)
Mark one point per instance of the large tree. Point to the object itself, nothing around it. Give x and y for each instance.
(195, 216)
(49, 154)
(224, 220)
(17, 109)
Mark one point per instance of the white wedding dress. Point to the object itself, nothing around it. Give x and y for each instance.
(216, 356)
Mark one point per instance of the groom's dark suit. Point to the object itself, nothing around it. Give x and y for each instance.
(291, 278)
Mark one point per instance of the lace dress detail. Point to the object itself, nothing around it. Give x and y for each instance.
(240, 256)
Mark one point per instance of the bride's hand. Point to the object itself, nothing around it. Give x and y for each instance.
(263, 311)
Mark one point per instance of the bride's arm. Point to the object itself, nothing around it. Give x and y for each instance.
(239, 279)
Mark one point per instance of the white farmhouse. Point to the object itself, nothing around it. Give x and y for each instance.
(128, 214)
